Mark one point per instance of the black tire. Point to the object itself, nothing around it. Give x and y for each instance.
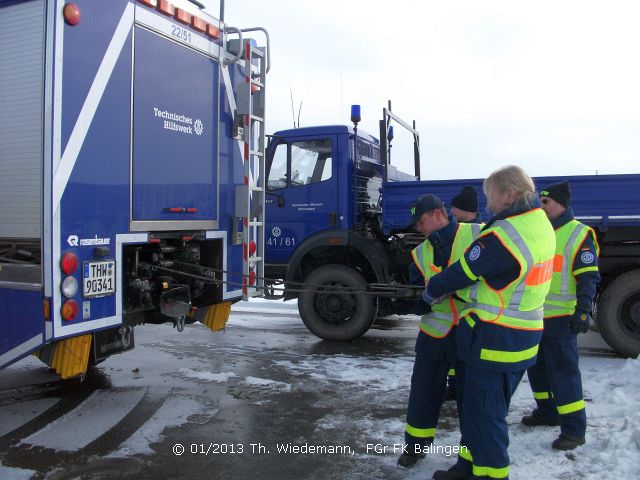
(619, 314)
(336, 317)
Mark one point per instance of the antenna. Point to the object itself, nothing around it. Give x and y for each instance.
(293, 112)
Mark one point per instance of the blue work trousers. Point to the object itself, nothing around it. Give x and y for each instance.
(434, 356)
(485, 397)
(557, 384)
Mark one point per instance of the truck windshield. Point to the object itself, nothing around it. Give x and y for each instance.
(310, 163)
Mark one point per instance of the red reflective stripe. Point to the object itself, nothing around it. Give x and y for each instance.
(540, 273)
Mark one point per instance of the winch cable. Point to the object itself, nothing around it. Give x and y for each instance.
(375, 289)
(378, 289)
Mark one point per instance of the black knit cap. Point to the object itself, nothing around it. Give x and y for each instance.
(466, 199)
(560, 192)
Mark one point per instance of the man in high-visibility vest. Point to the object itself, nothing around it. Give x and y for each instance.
(504, 278)
(555, 378)
(435, 346)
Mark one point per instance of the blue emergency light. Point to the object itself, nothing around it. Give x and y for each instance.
(355, 114)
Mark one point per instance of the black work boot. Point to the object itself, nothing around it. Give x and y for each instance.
(453, 473)
(409, 458)
(538, 419)
(567, 442)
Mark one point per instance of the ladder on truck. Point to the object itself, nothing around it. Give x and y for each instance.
(250, 106)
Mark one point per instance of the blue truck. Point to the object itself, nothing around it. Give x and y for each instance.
(131, 173)
(337, 213)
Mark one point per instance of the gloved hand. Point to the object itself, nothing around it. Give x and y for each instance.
(580, 321)
(428, 298)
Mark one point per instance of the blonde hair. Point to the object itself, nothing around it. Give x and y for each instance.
(510, 179)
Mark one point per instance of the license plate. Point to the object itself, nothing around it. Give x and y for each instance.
(99, 278)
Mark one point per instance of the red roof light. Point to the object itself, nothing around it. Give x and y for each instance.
(213, 31)
(71, 14)
(166, 7)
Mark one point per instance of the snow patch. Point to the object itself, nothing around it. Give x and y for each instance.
(372, 373)
(280, 386)
(207, 376)
(174, 412)
(8, 473)
(71, 432)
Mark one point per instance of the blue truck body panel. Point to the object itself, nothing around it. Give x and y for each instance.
(597, 200)
(25, 305)
(190, 178)
(138, 115)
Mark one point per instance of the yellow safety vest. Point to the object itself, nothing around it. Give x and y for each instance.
(531, 240)
(561, 300)
(444, 314)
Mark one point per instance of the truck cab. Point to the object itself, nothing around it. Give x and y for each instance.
(324, 226)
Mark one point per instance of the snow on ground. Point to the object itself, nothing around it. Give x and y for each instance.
(207, 376)
(374, 373)
(113, 405)
(174, 412)
(8, 473)
(611, 391)
(272, 384)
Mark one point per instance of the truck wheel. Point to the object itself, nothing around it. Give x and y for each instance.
(619, 314)
(332, 316)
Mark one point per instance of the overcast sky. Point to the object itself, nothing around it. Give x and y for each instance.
(550, 85)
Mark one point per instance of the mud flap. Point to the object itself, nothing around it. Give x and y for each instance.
(68, 357)
(216, 316)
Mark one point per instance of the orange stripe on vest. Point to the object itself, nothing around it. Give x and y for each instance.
(557, 263)
(540, 273)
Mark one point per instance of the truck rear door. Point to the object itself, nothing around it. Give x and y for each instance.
(302, 193)
(175, 143)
